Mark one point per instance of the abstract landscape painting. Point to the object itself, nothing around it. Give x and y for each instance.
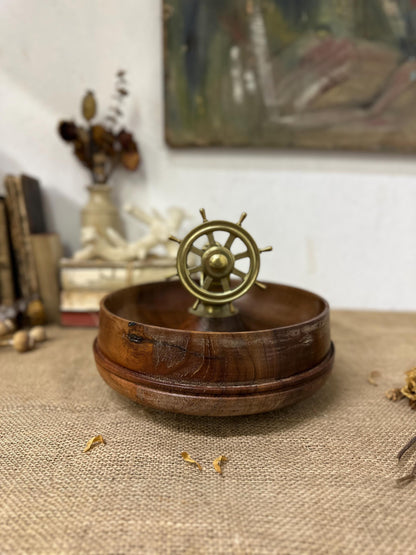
(323, 74)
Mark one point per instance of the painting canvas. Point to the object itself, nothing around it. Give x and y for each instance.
(331, 74)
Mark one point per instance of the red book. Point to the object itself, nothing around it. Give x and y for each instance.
(81, 319)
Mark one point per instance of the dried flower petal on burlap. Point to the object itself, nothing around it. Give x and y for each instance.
(394, 394)
(409, 390)
(372, 378)
(186, 457)
(94, 441)
(217, 463)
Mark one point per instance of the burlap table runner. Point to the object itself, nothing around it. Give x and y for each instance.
(318, 477)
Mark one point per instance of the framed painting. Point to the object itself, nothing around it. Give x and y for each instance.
(322, 74)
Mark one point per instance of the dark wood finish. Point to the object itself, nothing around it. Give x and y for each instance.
(152, 350)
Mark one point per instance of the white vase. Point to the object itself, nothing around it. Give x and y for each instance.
(100, 211)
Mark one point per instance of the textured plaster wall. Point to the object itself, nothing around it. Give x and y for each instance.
(343, 225)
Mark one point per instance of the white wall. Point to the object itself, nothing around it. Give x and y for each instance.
(343, 225)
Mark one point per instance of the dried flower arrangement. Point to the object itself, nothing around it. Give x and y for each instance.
(102, 147)
(407, 391)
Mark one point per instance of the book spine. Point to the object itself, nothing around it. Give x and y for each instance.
(110, 279)
(16, 233)
(80, 319)
(31, 276)
(81, 300)
(20, 236)
(7, 294)
(94, 278)
(47, 251)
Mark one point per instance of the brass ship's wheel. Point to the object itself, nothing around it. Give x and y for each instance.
(208, 268)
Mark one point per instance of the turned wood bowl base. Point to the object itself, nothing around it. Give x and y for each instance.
(150, 349)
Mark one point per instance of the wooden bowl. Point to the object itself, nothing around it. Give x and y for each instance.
(152, 350)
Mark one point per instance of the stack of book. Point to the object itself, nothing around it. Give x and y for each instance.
(85, 283)
(29, 255)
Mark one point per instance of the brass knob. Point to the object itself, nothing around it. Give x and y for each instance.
(218, 261)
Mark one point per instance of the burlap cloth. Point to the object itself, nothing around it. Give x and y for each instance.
(318, 477)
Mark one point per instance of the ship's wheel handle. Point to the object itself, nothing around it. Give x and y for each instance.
(219, 280)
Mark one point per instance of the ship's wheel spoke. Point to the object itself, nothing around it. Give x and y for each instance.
(207, 282)
(211, 238)
(229, 241)
(238, 273)
(195, 269)
(241, 255)
(225, 283)
(197, 251)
